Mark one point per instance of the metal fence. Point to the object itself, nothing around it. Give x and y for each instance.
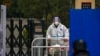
(37, 50)
(18, 45)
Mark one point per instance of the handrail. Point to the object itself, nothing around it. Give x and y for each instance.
(42, 39)
(49, 46)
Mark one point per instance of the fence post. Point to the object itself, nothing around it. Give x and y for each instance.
(20, 37)
(12, 35)
(44, 34)
(31, 31)
(43, 28)
(28, 38)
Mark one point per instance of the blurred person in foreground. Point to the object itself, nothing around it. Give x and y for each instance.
(80, 48)
(58, 35)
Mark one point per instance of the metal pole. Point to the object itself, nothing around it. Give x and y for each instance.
(31, 33)
(44, 34)
(20, 37)
(28, 21)
(39, 52)
(12, 35)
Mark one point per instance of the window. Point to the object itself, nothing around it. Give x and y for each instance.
(86, 5)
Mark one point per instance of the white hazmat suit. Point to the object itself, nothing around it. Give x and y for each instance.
(60, 32)
(55, 34)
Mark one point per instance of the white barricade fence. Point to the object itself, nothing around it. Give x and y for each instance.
(60, 53)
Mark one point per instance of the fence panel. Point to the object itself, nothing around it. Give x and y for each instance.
(17, 43)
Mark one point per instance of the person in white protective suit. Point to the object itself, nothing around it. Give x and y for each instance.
(57, 34)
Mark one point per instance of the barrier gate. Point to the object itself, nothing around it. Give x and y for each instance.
(39, 49)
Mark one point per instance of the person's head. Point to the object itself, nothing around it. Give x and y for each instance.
(79, 45)
(56, 20)
(80, 48)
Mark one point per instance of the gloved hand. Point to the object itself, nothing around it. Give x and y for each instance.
(54, 49)
(49, 39)
(65, 40)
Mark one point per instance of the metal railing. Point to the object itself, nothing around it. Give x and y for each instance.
(46, 51)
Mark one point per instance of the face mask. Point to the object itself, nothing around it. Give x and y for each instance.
(56, 23)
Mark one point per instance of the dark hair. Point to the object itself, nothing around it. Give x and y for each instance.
(79, 45)
(58, 18)
(80, 48)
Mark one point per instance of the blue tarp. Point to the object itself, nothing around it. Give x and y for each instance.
(85, 24)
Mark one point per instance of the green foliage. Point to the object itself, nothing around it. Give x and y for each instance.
(1, 2)
(25, 33)
(39, 9)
